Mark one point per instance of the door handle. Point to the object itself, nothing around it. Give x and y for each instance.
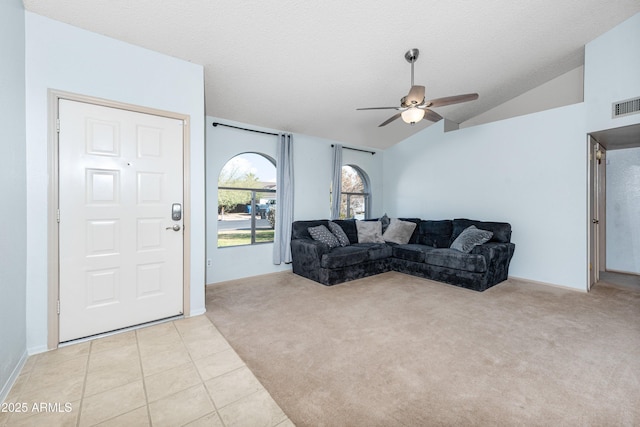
(175, 227)
(595, 221)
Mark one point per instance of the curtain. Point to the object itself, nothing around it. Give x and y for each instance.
(336, 182)
(284, 200)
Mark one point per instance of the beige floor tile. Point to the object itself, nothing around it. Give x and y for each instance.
(112, 403)
(162, 360)
(171, 381)
(63, 354)
(286, 423)
(30, 363)
(185, 325)
(204, 341)
(154, 343)
(18, 387)
(109, 369)
(136, 418)
(218, 364)
(256, 410)
(4, 418)
(159, 330)
(209, 420)
(114, 342)
(46, 415)
(232, 386)
(181, 408)
(61, 382)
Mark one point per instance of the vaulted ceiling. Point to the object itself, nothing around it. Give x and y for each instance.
(305, 66)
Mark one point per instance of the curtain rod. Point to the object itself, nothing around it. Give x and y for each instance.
(215, 124)
(357, 149)
(250, 130)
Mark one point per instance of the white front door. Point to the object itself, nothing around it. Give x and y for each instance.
(120, 250)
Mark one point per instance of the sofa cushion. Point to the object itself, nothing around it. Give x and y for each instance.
(436, 234)
(470, 238)
(450, 258)
(299, 229)
(337, 231)
(349, 228)
(369, 231)
(399, 231)
(501, 230)
(377, 250)
(411, 252)
(322, 234)
(344, 256)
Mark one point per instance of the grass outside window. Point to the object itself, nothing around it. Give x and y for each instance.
(243, 237)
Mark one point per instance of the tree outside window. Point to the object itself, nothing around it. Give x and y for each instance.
(354, 194)
(246, 200)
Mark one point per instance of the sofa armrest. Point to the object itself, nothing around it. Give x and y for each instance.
(307, 252)
(497, 256)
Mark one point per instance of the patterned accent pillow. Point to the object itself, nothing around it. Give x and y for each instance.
(339, 233)
(399, 231)
(385, 222)
(322, 234)
(470, 237)
(369, 231)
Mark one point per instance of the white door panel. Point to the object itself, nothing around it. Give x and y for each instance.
(120, 260)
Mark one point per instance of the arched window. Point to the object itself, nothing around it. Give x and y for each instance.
(355, 193)
(247, 200)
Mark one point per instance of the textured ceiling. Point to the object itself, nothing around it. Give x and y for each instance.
(305, 66)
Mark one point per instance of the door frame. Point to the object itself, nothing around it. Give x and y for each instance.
(53, 236)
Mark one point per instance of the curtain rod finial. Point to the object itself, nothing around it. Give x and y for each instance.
(215, 124)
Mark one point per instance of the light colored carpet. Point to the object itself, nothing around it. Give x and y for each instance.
(396, 350)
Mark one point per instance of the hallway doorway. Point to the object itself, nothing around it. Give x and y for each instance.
(614, 223)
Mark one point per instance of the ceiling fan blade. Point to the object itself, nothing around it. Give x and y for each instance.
(448, 100)
(432, 115)
(415, 96)
(379, 108)
(389, 120)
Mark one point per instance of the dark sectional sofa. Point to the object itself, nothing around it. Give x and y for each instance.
(427, 254)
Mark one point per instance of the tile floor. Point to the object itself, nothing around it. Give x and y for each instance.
(179, 373)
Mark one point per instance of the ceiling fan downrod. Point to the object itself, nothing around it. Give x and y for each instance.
(412, 56)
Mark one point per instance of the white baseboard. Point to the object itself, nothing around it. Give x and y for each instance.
(197, 312)
(553, 285)
(6, 388)
(36, 350)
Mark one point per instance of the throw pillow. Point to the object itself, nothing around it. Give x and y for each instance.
(369, 231)
(339, 233)
(470, 237)
(322, 234)
(399, 231)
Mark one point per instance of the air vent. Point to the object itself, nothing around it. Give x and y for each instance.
(624, 108)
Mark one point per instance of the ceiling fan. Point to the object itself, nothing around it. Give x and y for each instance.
(414, 107)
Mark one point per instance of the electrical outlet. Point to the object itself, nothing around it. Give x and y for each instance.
(209, 263)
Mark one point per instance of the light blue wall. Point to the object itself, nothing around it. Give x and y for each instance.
(529, 171)
(63, 57)
(312, 174)
(611, 74)
(13, 187)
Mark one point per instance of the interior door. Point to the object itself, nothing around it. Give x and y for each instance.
(595, 210)
(120, 222)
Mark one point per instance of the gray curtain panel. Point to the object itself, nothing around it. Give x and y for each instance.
(336, 181)
(284, 201)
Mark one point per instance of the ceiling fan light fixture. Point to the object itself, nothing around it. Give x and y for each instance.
(412, 115)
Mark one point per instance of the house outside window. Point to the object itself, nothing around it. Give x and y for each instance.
(355, 193)
(247, 200)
